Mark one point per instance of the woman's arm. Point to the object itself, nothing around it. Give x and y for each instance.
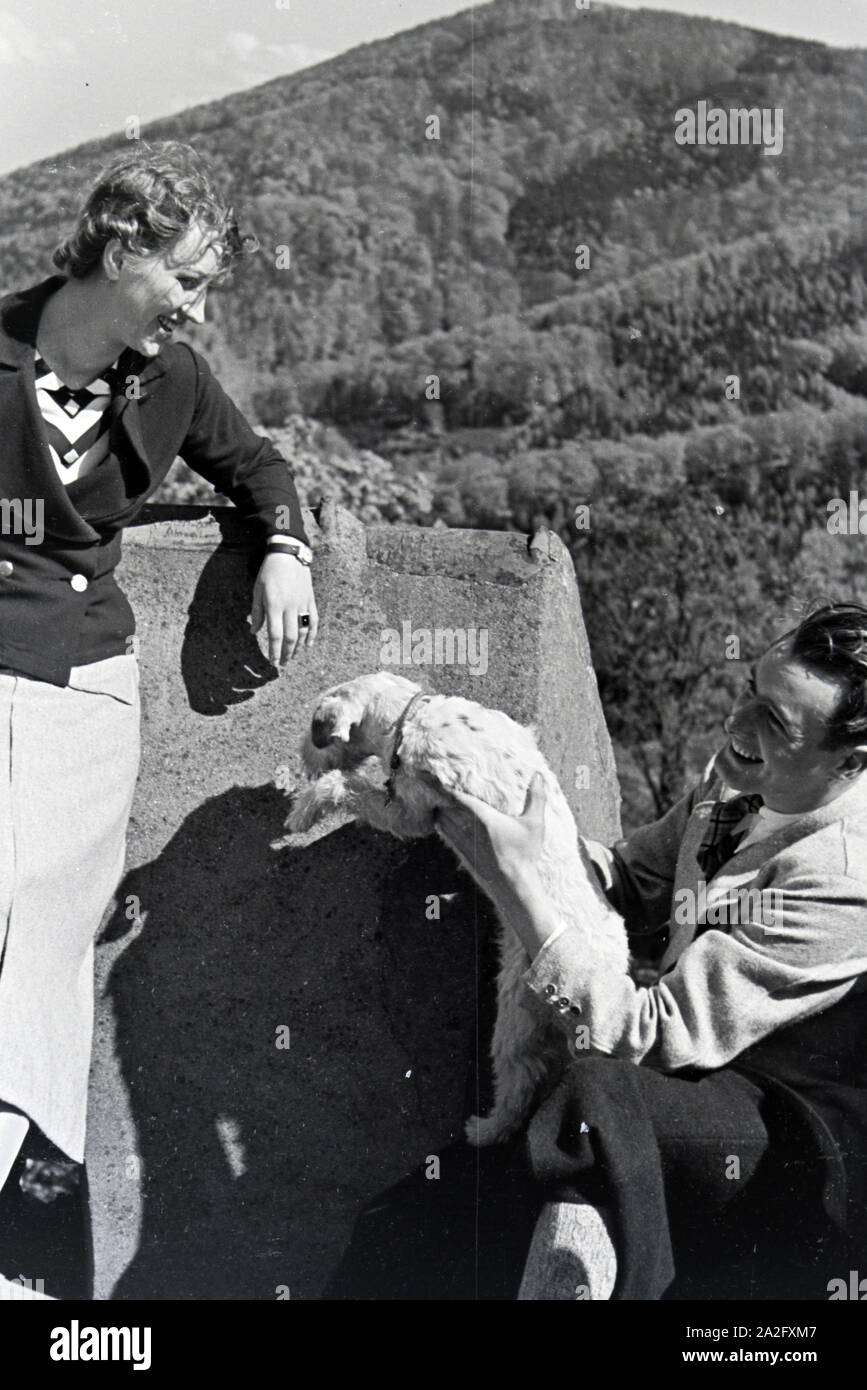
(222, 447)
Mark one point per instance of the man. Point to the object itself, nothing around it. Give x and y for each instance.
(730, 1098)
(96, 401)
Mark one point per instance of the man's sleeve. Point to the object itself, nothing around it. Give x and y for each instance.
(638, 874)
(222, 447)
(729, 988)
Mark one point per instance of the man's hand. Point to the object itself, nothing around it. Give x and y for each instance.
(504, 852)
(282, 594)
(499, 847)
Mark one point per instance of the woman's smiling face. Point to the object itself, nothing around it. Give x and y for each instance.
(777, 735)
(155, 293)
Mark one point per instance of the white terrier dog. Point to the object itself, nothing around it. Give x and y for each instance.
(382, 749)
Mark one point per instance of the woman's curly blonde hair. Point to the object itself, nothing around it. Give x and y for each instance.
(147, 199)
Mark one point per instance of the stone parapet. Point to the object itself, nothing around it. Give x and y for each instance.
(223, 1165)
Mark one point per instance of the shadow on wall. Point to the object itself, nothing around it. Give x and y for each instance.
(256, 1154)
(221, 662)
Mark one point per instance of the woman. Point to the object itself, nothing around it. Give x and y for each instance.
(96, 401)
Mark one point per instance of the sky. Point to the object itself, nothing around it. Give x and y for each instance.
(73, 72)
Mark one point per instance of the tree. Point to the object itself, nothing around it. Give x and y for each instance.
(666, 582)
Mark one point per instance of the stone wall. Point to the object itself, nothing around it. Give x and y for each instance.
(221, 1165)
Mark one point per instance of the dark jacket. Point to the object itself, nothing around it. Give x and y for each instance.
(60, 605)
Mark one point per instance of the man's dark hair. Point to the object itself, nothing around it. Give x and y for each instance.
(833, 642)
(148, 198)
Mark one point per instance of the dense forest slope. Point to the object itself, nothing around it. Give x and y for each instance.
(446, 268)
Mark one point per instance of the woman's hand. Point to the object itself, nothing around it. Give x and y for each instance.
(282, 594)
(500, 848)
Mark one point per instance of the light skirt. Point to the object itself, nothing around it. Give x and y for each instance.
(68, 765)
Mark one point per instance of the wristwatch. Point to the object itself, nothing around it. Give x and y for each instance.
(291, 546)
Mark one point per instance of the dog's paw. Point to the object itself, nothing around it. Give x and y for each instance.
(299, 818)
(285, 779)
(304, 811)
(482, 1133)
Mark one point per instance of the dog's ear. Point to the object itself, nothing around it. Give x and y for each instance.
(333, 720)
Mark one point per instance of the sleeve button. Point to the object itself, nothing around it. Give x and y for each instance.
(6, 568)
(79, 583)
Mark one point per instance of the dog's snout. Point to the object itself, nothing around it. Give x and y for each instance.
(320, 732)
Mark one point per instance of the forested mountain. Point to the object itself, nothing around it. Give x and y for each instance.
(449, 268)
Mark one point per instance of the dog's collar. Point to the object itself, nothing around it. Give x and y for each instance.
(398, 736)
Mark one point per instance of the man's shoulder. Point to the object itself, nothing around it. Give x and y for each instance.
(827, 844)
(838, 850)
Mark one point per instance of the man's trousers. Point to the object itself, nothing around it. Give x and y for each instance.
(701, 1181)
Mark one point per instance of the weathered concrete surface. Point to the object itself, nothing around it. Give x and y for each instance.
(222, 1166)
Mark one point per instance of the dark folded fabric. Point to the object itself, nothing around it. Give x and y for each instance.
(817, 1070)
(744, 1182)
(593, 1141)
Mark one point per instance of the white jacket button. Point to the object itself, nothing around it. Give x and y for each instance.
(79, 583)
(6, 568)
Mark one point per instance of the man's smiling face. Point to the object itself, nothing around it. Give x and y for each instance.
(777, 735)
